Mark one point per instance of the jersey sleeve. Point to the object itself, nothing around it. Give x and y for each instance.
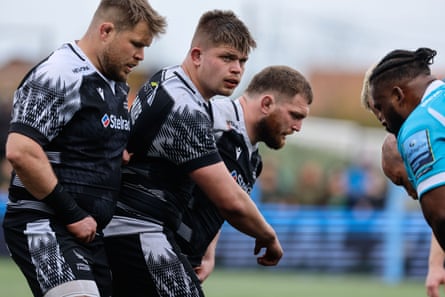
(421, 143)
(42, 104)
(187, 139)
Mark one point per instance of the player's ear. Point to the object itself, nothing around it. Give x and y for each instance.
(267, 102)
(399, 95)
(105, 29)
(195, 54)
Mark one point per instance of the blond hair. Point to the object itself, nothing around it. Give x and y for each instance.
(127, 14)
(365, 96)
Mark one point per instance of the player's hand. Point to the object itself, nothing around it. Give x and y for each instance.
(435, 278)
(126, 156)
(273, 253)
(205, 269)
(84, 230)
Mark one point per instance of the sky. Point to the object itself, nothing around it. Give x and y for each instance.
(337, 34)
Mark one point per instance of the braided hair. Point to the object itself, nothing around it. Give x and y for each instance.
(403, 64)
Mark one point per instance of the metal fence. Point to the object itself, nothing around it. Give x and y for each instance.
(392, 243)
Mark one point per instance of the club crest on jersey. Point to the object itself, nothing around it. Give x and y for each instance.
(232, 125)
(238, 152)
(114, 122)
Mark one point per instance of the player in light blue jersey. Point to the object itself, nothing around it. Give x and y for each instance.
(411, 103)
(394, 168)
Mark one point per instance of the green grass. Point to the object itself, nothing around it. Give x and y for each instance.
(274, 283)
(12, 281)
(258, 283)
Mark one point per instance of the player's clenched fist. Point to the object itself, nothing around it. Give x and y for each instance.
(273, 253)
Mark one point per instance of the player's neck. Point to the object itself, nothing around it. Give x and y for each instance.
(249, 118)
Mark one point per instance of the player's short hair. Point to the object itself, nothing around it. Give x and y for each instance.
(282, 80)
(223, 27)
(127, 14)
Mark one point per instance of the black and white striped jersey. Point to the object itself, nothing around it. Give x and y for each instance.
(156, 182)
(80, 118)
(202, 219)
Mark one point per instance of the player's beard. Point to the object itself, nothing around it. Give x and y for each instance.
(112, 66)
(396, 122)
(269, 131)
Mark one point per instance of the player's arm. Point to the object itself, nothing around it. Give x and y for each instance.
(32, 166)
(436, 270)
(238, 209)
(208, 260)
(433, 208)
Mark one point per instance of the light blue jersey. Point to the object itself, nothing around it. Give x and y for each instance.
(421, 140)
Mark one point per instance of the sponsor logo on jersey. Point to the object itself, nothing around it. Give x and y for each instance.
(105, 120)
(115, 122)
(240, 181)
(81, 69)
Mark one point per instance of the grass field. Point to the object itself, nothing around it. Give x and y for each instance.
(241, 283)
(258, 283)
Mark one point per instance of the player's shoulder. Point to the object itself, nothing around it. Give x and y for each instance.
(227, 114)
(176, 84)
(226, 108)
(172, 78)
(63, 66)
(222, 103)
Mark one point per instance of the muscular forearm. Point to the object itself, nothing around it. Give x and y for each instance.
(210, 252)
(437, 256)
(234, 204)
(239, 210)
(246, 217)
(436, 272)
(208, 260)
(433, 208)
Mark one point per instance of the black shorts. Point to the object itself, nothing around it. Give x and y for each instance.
(48, 255)
(150, 264)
